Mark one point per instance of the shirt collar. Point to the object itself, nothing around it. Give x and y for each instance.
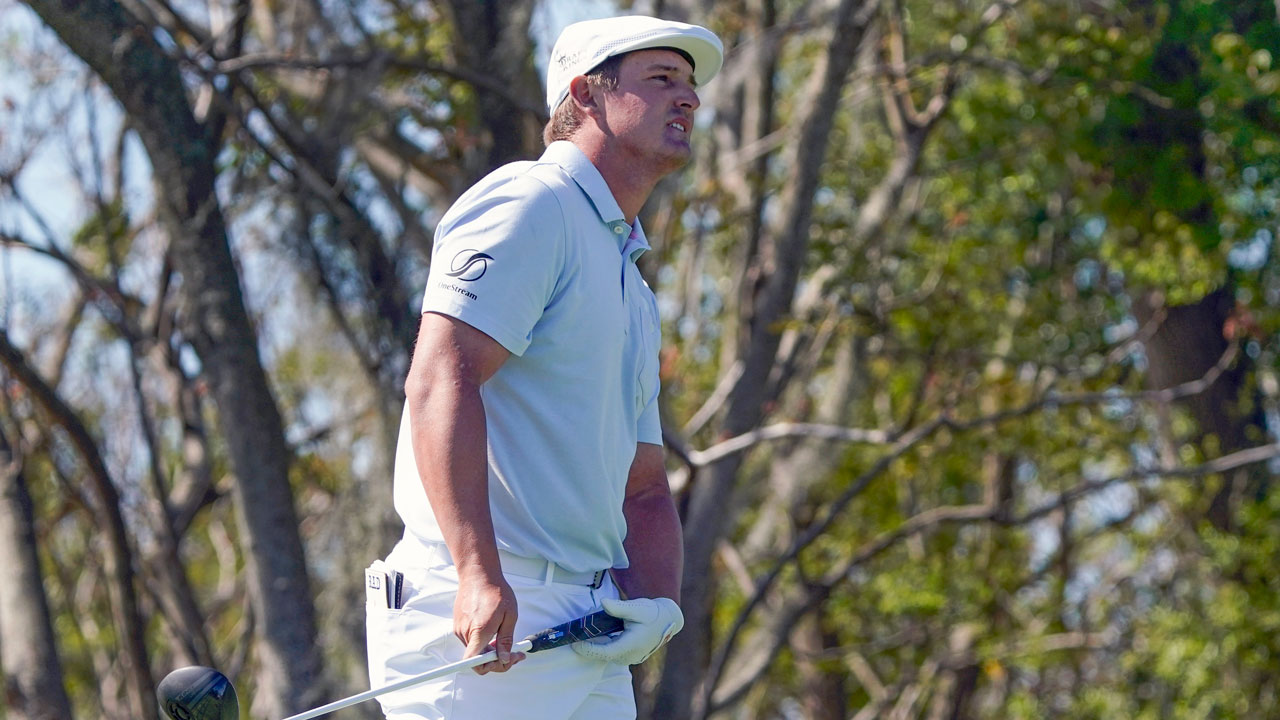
(631, 240)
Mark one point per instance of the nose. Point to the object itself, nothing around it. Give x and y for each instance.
(689, 99)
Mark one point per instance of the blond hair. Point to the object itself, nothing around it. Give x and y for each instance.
(568, 117)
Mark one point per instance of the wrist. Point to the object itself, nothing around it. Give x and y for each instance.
(479, 567)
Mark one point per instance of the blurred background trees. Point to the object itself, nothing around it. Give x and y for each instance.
(969, 357)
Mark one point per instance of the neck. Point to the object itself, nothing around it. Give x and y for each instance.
(630, 179)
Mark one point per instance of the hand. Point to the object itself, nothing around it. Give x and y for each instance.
(650, 623)
(485, 610)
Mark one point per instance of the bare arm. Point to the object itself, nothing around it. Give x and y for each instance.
(450, 362)
(654, 543)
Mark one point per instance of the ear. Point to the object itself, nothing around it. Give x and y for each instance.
(583, 93)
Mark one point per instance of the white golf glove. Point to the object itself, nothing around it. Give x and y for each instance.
(650, 623)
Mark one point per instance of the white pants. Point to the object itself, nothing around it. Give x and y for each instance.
(555, 684)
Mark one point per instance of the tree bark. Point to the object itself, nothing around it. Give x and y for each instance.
(28, 652)
(823, 690)
(118, 556)
(147, 82)
(1190, 341)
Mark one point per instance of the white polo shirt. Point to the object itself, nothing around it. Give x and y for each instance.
(537, 256)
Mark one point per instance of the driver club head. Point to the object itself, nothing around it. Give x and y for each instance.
(198, 693)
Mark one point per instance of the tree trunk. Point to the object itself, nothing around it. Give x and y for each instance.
(509, 133)
(823, 694)
(1191, 339)
(679, 692)
(28, 653)
(146, 81)
(1189, 342)
(117, 561)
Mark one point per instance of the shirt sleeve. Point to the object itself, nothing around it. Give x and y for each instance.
(649, 424)
(649, 427)
(497, 259)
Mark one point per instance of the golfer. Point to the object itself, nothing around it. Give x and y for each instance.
(529, 470)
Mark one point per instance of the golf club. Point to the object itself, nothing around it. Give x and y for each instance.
(201, 693)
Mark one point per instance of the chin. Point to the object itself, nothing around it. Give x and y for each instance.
(671, 163)
(678, 155)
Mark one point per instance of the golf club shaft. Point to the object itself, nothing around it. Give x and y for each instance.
(522, 646)
(596, 624)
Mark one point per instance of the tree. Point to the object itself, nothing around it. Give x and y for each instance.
(969, 339)
(182, 152)
(30, 656)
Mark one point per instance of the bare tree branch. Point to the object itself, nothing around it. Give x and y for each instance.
(780, 431)
(964, 514)
(715, 401)
(273, 61)
(1226, 463)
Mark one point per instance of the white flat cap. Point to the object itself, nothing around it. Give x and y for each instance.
(584, 45)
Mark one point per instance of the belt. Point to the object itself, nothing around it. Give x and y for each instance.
(529, 567)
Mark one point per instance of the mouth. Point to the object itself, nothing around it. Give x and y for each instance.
(680, 124)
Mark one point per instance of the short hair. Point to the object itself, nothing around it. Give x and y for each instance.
(568, 117)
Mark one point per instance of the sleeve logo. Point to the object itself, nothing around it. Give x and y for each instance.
(469, 265)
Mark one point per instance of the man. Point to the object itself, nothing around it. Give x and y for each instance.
(529, 471)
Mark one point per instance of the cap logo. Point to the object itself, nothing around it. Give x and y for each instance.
(565, 61)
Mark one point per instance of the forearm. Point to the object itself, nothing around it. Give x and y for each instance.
(651, 582)
(449, 444)
(654, 545)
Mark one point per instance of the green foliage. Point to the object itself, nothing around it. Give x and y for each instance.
(104, 239)
(1090, 153)
(1090, 157)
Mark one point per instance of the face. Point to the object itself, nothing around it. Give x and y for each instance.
(650, 115)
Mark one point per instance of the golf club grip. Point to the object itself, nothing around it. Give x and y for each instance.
(586, 627)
